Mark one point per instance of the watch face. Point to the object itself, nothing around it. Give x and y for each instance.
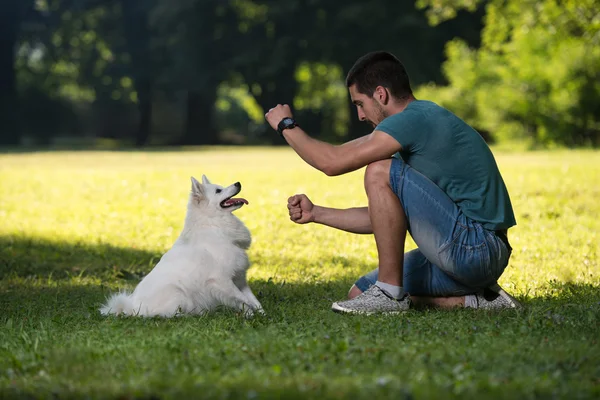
(286, 123)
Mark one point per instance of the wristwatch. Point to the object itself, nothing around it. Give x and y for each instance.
(286, 123)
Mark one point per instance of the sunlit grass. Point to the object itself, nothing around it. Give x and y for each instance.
(77, 225)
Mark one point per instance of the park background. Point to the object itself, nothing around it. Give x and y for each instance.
(107, 107)
(204, 72)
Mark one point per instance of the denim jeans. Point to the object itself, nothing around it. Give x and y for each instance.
(455, 254)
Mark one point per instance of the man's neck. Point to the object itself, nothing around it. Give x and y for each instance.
(397, 106)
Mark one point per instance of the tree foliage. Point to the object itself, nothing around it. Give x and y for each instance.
(187, 72)
(536, 75)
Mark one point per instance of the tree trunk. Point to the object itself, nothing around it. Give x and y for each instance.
(137, 36)
(144, 90)
(10, 133)
(267, 100)
(200, 124)
(312, 123)
(284, 91)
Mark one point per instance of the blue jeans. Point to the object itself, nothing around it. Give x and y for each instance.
(455, 254)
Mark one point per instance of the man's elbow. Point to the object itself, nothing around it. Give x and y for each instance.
(331, 169)
(333, 163)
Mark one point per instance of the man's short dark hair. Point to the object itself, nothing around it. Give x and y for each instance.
(379, 68)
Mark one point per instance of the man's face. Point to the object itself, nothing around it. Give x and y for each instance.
(368, 108)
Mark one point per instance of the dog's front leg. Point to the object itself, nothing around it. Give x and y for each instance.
(240, 281)
(253, 300)
(227, 293)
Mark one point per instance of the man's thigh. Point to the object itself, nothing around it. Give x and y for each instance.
(431, 215)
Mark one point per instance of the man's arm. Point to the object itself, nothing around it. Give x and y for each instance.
(337, 160)
(331, 159)
(353, 220)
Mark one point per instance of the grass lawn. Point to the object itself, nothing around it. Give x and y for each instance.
(75, 226)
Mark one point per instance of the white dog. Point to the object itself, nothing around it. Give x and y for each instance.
(205, 268)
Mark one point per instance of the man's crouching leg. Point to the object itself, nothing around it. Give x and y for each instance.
(388, 222)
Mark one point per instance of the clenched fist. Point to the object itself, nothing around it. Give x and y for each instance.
(301, 209)
(277, 113)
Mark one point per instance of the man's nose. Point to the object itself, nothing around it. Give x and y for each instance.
(361, 115)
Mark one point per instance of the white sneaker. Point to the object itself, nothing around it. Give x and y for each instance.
(495, 298)
(373, 301)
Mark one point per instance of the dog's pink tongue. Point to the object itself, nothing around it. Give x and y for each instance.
(234, 200)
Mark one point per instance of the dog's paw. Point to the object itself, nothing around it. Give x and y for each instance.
(251, 311)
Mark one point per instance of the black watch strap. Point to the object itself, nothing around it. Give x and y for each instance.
(286, 123)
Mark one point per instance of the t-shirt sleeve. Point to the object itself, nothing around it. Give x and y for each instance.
(406, 127)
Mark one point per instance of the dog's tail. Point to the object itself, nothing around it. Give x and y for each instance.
(118, 303)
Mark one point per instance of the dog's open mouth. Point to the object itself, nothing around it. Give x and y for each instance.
(233, 201)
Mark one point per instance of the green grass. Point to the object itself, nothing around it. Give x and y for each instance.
(77, 225)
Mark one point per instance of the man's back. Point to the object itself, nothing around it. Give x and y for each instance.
(455, 157)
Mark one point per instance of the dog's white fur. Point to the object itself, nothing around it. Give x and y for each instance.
(205, 268)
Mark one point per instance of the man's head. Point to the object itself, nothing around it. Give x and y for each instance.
(377, 82)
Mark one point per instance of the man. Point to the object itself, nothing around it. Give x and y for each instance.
(428, 173)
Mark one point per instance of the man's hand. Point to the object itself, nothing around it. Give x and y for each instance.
(301, 209)
(277, 113)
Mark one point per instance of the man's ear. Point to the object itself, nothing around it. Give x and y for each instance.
(382, 95)
(197, 188)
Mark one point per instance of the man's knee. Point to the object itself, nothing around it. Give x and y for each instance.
(378, 172)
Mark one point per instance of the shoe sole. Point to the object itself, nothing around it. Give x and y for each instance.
(335, 307)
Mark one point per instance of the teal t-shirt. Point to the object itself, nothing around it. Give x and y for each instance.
(455, 157)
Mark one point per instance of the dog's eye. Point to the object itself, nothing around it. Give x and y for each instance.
(219, 190)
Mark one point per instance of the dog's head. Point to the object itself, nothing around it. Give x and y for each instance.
(217, 197)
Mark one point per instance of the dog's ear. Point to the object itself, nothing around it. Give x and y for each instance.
(205, 180)
(197, 187)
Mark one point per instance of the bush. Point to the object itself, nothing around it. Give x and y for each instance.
(535, 76)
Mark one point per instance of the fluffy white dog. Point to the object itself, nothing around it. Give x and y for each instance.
(205, 268)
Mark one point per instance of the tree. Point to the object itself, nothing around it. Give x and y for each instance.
(113, 59)
(196, 38)
(318, 35)
(535, 76)
(76, 67)
(12, 18)
(138, 37)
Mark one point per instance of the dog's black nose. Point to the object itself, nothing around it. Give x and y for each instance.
(238, 185)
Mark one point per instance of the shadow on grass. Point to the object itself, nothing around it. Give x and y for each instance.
(45, 275)
(39, 276)
(40, 299)
(301, 310)
(27, 257)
